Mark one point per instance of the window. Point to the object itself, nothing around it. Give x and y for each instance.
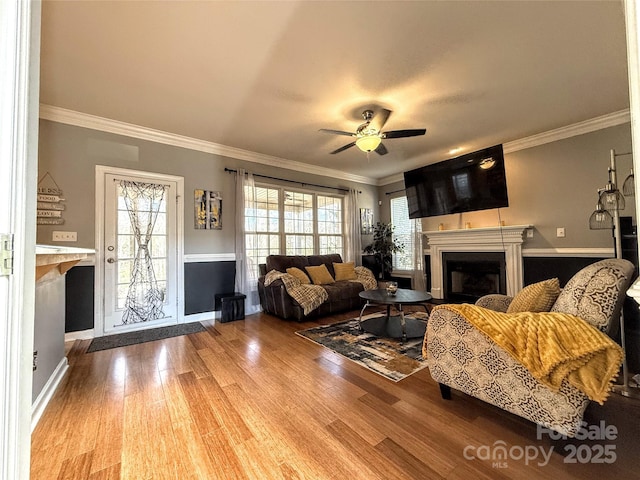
(329, 225)
(262, 227)
(293, 223)
(402, 233)
(298, 223)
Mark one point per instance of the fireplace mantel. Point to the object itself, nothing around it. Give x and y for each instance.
(507, 239)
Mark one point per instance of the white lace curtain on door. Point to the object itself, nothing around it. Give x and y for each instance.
(144, 300)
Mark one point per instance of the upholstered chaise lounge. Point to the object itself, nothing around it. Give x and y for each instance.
(462, 357)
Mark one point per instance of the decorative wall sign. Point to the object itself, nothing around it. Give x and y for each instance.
(366, 221)
(208, 210)
(50, 206)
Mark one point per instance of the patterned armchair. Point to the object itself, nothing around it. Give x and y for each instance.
(460, 356)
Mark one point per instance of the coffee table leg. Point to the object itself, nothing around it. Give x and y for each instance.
(361, 312)
(402, 323)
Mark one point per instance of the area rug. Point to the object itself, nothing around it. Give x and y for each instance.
(142, 336)
(386, 356)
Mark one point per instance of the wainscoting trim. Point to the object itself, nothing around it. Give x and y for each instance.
(209, 257)
(568, 252)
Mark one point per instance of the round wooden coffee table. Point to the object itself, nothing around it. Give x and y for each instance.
(396, 326)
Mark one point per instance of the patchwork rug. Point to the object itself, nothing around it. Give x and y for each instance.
(388, 357)
(142, 336)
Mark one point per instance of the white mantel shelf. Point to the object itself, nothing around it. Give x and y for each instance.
(507, 239)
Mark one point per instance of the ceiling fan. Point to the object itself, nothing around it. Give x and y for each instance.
(369, 135)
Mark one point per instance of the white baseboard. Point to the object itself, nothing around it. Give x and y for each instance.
(81, 335)
(200, 317)
(47, 392)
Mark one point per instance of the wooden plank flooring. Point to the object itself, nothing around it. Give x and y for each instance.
(252, 400)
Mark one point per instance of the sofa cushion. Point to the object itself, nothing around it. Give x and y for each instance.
(319, 275)
(344, 271)
(299, 274)
(316, 260)
(342, 290)
(537, 297)
(593, 294)
(282, 262)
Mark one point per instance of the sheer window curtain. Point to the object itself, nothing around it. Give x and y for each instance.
(419, 282)
(145, 298)
(246, 272)
(353, 240)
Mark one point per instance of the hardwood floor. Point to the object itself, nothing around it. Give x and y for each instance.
(251, 400)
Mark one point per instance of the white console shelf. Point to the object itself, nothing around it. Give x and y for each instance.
(507, 239)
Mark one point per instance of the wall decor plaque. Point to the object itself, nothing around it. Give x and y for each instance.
(49, 206)
(208, 210)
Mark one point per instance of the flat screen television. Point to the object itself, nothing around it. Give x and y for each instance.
(470, 182)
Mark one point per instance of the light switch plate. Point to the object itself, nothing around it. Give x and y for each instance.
(65, 236)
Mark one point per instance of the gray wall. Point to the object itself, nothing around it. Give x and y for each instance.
(550, 186)
(69, 154)
(48, 338)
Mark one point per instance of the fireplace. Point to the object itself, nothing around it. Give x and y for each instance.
(470, 275)
(485, 241)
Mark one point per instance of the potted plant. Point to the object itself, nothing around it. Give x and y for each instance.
(383, 247)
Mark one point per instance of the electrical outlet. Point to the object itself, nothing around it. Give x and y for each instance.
(560, 232)
(65, 236)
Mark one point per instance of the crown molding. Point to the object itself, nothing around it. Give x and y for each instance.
(397, 177)
(580, 128)
(85, 120)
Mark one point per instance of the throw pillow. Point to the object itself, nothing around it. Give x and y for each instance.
(537, 297)
(299, 274)
(319, 275)
(345, 271)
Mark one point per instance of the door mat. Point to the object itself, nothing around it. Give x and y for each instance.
(142, 336)
(388, 357)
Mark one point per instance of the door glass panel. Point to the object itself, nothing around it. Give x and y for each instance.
(140, 266)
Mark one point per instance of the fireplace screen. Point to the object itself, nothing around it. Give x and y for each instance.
(469, 276)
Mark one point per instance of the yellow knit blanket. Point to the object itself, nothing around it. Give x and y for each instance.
(552, 346)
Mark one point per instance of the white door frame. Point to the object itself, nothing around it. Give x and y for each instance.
(19, 94)
(101, 172)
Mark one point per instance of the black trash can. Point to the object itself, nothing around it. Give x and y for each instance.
(231, 306)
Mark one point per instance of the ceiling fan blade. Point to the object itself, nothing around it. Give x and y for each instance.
(381, 150)
(337, 132)
(379, 119)
(343, 148)
(404, 133)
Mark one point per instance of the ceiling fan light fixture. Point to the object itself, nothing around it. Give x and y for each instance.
(487, 163)
(368, 143)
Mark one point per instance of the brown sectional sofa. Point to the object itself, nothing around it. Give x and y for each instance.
(274, 299)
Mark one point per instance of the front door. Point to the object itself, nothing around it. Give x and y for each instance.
(140, 252)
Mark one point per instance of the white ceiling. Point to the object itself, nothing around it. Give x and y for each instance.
(265, 76)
